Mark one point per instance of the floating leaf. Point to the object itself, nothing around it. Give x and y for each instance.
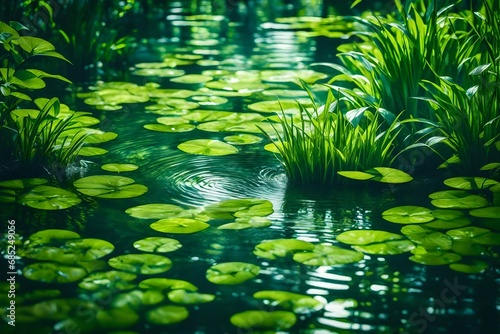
(242, 139)
(179, 225)
(389, 175)
(89, 248)
(430, 240)
(272, 249)
(457, 199)
(243, 207)
(89, 151)
(207, 147)
(192, 79)
(49, 198)
(232, 273)
(116, 318)
(108, 280)
(109, 186)
(135, 299)
(475, 234)
(119, 167)
(468, 183)
(141, 263)
(365, 237)
(246, 222)
(489, 212)
(189, 297)
(21, 184)
(157, 244)
(167, 315)
(275, 320)
(166, 284)
(356, 175)
(158, 72)
(301, 304)
(154, 211)
(433, 258)
(408, 214)
(447, 219)
(288, 107)
(206, 100)
(326, 255)
(170, 128)
(390, 247)
(474, 267)
(51, 236)
(309, 76)
(53, 272)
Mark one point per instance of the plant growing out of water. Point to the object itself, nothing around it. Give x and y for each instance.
(326, 140)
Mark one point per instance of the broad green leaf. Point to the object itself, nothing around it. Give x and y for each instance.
(90, 248)
(272, 249)
(53, 273)
(170, 128)
(390, 247)
(433, 258)
(137, 299)
(166, 284)
(447, 219)
(246, 222)
(389, 175)
(472, 267)
(179, 225)
(206, 100)
(109, 186)
(49, 198)
(154, 211)
(189, 297)
(365, 237)
(326, 255)
(242, 139)
(119, 167)
(157, 244)
(230, 273)
(457, 199)
(89, 151)
(408, 214)
(108, 280)
(116, 318)
(489, 212)
(297, 303)
(167, 315)
(172, 120)
(192, 79)
(430, 240)
(356, 175)
(20, 184)
(474, 234)
(468, 183)
(275, 320)
(26, 79)
(159, 72)
(243, 207)
(207, 147)
(288, 107)
(141, 263)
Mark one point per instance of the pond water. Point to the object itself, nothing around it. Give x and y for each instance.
(378, 294)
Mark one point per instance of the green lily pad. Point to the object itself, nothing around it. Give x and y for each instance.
(116, 318)
(179, 225)
(309, 76)
(166, 284)
(206, 100)
(172, 120)
(210, 147)
(457, 199)
(246, 222)
(297, 303)
(154, 211)
(189, 297)
(433, 258)
(119, 167)
(430, 240)
(326, 255)
(474, 234)
(447, 219)
(20, 184)
(474, 267)
(285, 92)
(210, 115)
(239, 87)
(170, 128)
(53, 273)
(243, 207)
(389, 175)
(141, 263)
(242, 139)
(467, 247)
(356, 175)
(159, 72)
(230, 273)
(157, 244)
(51, 236)
(192, 79)
(390, 247)
(468, 183)
(89, 248)
(178, 103)
(89, 151)
(489, 212)
(288, 107)
(408, 214)
(136, 299)
(108, 280)
(109, 186)
(215, 126)
(272, 249)
(167, 315)
(50, 253)
(275, 320)
(49, 198)
(365, 237)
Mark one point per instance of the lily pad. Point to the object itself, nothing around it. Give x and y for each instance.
(365, 237)
(309, 76)
(206, 100)
(433, 258)
(159, 72)
(457, 199)
(275, 320)
(141, 263)
(167, 315)
(430, 240)
(192, 79)
(53, 273)
(469, 183)
(246, 222)
(230, 273)
(243, 207)
(89, 248)
(119, 167)
(136, 299)
(327, 255)
(447, 219)
(390, 247)
(49, 198)
(288, 107)
(389, 175)
(166, 284)
(474, 234)
(210, 147)
(489, 212)
(179, 225)
(154, 211)
(116, 318)
(172, 120)
(108, 280)
(242, 139)
(301, 304)
(356, 175)
(20, 184)
(474, 267)
(408, 214)
(89, 151)
(109, 186)
(189, 297)
(170, 128)
(51, 236)
(272, 249)
(157, 244)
